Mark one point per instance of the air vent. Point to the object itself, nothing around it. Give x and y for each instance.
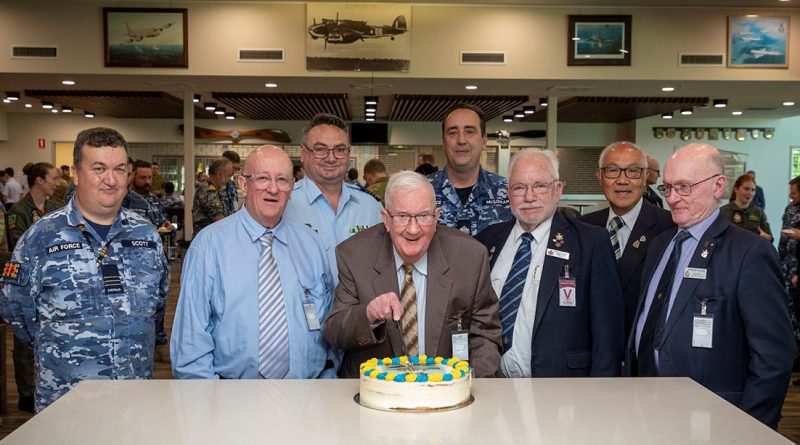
(482, 58)
(260, 55)
(701, 60)
(34, 52)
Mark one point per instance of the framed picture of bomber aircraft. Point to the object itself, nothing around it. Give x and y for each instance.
(358, 37)
(145, 37)
(758, 42)
(599, 40)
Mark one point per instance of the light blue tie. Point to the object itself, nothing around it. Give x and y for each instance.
(273, 330)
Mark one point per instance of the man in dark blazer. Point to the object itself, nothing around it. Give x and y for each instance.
(715, 310)
(562, 311)
(409, 286)
(631, 221)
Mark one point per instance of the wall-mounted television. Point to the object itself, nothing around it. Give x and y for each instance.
(363, 133)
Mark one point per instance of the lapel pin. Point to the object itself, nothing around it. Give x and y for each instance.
(642, 239)
(558, 240)
(704, 253)
(636, 244)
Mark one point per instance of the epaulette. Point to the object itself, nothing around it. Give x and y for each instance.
(211, 188)
(11, 221)
(361, 188)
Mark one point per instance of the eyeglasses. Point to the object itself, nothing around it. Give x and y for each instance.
(423, 219)
(658, 172)
(540, 188)
(321, 152)
(282, 183)
(684, 189)
(630, 172)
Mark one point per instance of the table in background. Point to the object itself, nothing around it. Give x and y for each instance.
(505, 411)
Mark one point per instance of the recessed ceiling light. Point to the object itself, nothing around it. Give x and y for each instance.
(788, 103)
(88, 114)
(230, 115)
(720, 103)
(196, 98)
(686, 111)
(667, 89)
(519, 114)
(666, 116)
(543, 101)
(210, 106)
(508, 118)
(67, 82)
(12, 95)
(28, 106)
(271, 85)
(370, 119)
(370, 100)
(471, 87)
(529, 109)
(736, 113)
(6, 101)
(220, 111)
(54, 110)
(370, 109)
(47, 105)
(369, 114)
(66, 109)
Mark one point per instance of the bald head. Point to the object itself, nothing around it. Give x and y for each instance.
(267, 182)
(653, 170)
(268, 153)
(697, 169)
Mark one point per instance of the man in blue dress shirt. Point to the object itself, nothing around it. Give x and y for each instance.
(219, 324)
(322, 200)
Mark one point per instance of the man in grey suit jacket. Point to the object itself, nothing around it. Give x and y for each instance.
(622, 170)
(409, 286)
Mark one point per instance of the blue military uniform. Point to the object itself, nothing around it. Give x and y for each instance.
(86, 305)
(487, 204)
(155, 210)
(357, 211)
(230, 197)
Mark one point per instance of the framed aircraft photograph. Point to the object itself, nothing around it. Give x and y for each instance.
(358, 37)
(599, 40)
(145, 37)
(758, 42)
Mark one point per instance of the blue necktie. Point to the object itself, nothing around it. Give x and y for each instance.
(511, 294)
(614, 225)
(273, 329)
(656, 320)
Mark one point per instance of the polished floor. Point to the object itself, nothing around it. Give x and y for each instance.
(789, 426)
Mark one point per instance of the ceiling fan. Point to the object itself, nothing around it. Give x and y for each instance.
(267, 134)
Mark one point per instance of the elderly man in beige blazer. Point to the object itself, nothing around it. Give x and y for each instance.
(412, 287)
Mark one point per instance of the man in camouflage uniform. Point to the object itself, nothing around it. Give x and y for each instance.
(84, 282)
(231, 195)
(470, 197)
(42, 181)
(376, 178)
(157, 185)
(209, 203)
(787, 250)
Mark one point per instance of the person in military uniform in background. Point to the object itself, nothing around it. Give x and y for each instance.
(470, 197)
(209, 202)
(741, 210)
(84, 282)
(376, 178)
(157, 186)
(322, 200)
(231, 195)
(43, 181)
(64, 181)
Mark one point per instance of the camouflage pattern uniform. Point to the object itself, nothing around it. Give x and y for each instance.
(81, 326)
(157, 186)
(156, 214)
(751, 218)
(208, 202)
(155, 210)
(787, 249)
(487, 204)
(22, 216)
(230, 197)
(378, 188)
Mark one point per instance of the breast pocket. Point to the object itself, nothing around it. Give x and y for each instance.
(69, 286)
(142, 277)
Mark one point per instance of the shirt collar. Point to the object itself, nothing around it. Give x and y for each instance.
(313, 192)
(630, 217)
(539, 233)
(255, 230)
(700, 228)
(420, 266)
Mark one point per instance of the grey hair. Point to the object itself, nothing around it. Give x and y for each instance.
(613, 145)
(407, 179)
(549, 155)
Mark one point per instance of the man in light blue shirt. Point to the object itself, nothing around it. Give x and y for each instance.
(217, 331)
(322, 200)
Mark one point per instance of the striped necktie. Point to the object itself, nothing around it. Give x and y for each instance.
(511, 294)
(614, 225)
(273, 329)
(408, 322)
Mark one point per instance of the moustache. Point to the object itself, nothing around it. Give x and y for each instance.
(531, 206)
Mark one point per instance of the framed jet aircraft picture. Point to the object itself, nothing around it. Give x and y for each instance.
(358, 37)
(758, 42)
(145, 37)
(599, 40)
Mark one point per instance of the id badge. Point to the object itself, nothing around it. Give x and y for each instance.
(702, 331)
(566, 292)
(311, 317)
(461, 345)
(112, 282)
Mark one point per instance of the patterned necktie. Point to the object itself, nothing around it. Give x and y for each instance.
(273, 329)
(408, 322)
(614, 225)
(656, 320)
(511, 294)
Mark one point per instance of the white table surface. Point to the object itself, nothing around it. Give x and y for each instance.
(295, 412)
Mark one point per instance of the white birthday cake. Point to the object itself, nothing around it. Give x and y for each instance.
(416, 383)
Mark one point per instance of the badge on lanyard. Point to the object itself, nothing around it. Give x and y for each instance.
(460, 340)
(311, 312)
(112, 282)
(566, 289)
(703, 328)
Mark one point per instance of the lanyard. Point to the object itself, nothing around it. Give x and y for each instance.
(103, 250)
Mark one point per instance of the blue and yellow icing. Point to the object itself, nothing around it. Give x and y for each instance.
(405, 369)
